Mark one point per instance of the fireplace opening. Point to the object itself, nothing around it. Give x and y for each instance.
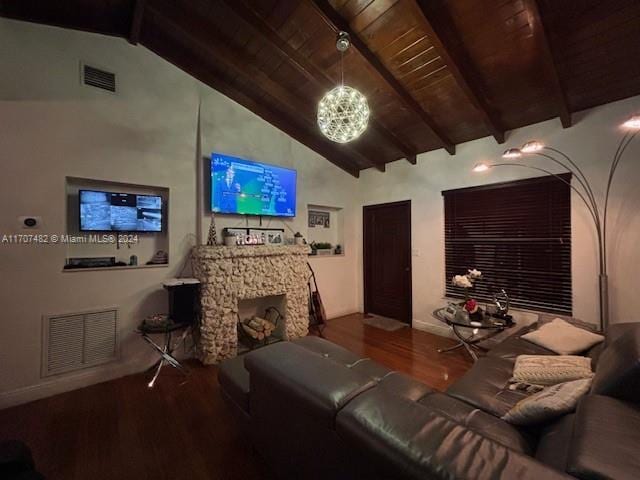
(261, 321)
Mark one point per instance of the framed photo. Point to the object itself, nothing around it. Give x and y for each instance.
(318, 218)
(270, 236)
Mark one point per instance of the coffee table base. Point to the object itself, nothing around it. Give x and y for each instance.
(468, 343)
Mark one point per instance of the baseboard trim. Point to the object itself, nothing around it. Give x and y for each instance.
(61, 384)
(441, 330)
(341, 313)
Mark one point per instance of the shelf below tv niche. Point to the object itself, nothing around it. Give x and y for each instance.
(115, 267)
(327, 255)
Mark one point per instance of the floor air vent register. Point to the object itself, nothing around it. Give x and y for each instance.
(78, 340)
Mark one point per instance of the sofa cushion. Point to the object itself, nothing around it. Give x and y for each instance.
(548, 404)
(409, 440)
(605, 439)
(341, 355)
(327, 349)
(234, 381)
(618, 372)
(486, 386)
(514, 346)
(563, 338)
(617, 330)
(475, 419)
(404, 386)
(554, 441)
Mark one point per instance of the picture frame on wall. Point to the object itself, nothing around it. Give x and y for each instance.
(318, 218)
(270, 236)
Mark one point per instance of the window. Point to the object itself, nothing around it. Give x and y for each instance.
(518, 234)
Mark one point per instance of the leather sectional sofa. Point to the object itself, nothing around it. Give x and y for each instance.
(315, 410)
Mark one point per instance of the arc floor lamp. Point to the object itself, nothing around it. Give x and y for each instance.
(597, 211)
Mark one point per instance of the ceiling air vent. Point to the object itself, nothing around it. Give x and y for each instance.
(95, 77)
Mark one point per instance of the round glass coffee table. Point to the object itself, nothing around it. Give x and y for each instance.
(460, 324)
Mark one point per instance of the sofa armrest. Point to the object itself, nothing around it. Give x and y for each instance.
(295, 394)
(305, 379)
(408, 440)
(606, 435)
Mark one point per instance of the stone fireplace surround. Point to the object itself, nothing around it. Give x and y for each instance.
(231, 274)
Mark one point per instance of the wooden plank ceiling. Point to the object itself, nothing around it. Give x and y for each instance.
(436, 72)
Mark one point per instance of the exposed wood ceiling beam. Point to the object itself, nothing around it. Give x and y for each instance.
(347, 160)
(542, 36)
(301, 63)
(202, 37)
(136, 21)
(335, 20)
(460, 67)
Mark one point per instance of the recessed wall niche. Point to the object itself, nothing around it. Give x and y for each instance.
(89, 244)
(325, 224)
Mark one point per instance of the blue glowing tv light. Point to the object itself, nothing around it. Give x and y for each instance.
(244, 187)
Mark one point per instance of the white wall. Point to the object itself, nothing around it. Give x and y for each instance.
(591, 142)
(52, 127)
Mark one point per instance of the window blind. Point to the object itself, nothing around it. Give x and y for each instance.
(518, 234)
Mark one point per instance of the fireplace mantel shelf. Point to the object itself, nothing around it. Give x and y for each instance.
(214, 252)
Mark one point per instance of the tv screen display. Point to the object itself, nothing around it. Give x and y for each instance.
(125, 212)
(251, 188)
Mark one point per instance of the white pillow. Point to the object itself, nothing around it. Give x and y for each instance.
(550, 369)
(549, 403)
(563, 338)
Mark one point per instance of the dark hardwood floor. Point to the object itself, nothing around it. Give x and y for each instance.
(121, 430)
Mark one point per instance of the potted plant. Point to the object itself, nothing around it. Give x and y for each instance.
(338, 250)
(321, 248)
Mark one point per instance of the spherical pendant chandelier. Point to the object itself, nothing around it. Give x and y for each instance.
(343, 113)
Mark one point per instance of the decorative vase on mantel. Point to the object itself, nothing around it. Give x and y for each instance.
(229, 239)
(212, 238)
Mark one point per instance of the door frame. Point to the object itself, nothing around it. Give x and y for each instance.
(365, 255)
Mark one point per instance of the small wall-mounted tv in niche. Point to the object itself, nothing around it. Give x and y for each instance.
(123, 212)
(245, 187)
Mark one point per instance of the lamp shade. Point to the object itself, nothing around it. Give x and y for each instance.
(532, 146)
(633, 123)
(481, 167)
(512, 153)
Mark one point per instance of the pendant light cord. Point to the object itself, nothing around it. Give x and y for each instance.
(342, 69)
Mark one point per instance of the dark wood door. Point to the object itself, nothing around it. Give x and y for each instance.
(387, 260)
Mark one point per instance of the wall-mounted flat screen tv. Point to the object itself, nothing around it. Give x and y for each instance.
(122, 212)
(245, 187)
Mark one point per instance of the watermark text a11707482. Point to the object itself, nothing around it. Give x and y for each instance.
(65, 238)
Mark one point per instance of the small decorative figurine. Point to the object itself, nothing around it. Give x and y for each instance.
(212, 239)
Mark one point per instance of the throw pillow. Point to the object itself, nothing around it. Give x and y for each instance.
(552, 402)
(544, 318)
(563, 338)
(550, 369)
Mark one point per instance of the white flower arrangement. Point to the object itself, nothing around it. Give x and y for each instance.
(467, 280)
(475, 274)
(462, 281)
